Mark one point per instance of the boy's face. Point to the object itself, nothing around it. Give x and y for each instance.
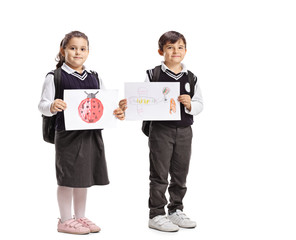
(173, 53)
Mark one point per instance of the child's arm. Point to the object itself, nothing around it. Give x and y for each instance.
(185, 99)
(123, 104)
(47, 105)
(196, 101)
(58, 105)
(119, 113)
(47, 96)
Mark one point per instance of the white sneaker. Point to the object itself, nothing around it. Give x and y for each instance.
(179, 218)
(162, 223)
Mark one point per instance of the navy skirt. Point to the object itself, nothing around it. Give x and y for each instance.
(80, 159)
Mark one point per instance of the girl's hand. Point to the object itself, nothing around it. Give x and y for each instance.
(58, 105)
(119, 113)
(123, 104)
(185, 100)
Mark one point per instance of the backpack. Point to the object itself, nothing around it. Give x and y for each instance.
(155, 78)
(48, 123)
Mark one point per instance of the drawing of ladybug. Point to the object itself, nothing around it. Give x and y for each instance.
(90, 109)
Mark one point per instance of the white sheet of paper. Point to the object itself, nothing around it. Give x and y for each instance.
(152, 101)
(84, 112)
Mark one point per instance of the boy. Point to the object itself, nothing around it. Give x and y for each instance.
(170, 141)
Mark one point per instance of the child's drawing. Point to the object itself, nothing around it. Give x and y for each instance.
(172, 106)
(141, 93)
(90, 109)
(149, 101)
(141, 99)
(165, 92)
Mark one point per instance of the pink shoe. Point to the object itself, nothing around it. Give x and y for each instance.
(89, 224)
(72, 226)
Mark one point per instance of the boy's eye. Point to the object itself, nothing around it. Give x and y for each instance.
(83, 49)
(72, 48)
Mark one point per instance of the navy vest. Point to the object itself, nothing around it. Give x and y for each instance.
(68, 81)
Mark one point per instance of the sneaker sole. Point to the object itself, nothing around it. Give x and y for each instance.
(155, 228)
(187, 227)
(61, 231)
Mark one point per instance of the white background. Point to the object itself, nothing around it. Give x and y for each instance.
(242, 177)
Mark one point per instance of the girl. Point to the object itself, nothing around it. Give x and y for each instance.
(80, 156)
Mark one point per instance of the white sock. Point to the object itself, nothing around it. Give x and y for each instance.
(65, 195)
(79, 200)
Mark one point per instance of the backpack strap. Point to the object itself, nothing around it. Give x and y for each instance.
(95, 74)
(192, 81)
(156, 73)
(57, 82)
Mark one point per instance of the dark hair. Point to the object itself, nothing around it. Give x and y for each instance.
(170, 37)
(60, 58)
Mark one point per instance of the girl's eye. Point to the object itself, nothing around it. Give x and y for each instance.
(72, 48)
(83, 49)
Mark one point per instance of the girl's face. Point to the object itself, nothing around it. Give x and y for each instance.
(76, 53)
(173, 53)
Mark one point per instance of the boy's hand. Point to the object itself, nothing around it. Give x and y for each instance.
(58, 105)
(185, 100)
(123, 104)
(119, 113)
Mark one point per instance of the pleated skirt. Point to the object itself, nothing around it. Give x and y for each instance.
(80, 159)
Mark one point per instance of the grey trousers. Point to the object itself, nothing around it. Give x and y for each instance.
(170, 151)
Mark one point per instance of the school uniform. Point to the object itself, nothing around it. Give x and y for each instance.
(80, 155)
(170, 147)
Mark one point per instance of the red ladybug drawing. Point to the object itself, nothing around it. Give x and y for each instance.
(90, 109)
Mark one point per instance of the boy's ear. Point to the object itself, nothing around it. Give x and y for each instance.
(160, 52)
